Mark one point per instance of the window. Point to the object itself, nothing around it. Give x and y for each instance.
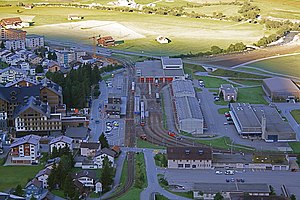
(193, 166)
(180, 165)
(187, 165)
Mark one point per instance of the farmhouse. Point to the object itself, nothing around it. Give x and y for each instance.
(164, 70)
(280, 89)
(228, 92)
(106, 41)
(261, 121)
(15, 22)
(189, 158)
(162, 40)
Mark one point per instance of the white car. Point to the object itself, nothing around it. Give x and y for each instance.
(219, 172)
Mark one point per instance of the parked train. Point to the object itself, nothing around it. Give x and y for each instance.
(143, 120)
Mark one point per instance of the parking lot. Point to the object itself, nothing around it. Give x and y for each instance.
(187, 178)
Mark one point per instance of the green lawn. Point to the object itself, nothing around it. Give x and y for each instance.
(252, 95)
(224, 143)
(228, 10)
(11, 176)
(295, 146)
(160, 197)
(191, 69)
(145, 144)
(188, 194)
(212, 82)
(247, 82)
(223, 110)
(296, 115)
(132, 194)
(285, 65)
(59, 193)
(229, 73)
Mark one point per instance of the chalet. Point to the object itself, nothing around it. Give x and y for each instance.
(34, 59)
(101, 154)
(78, 134)
(106, 41)
(10, 74)
(189, 158)
(53, 66)
(25, 150)
(89, 148)
(34, 188)
(42, 176)
(88, 179)
(61, 142)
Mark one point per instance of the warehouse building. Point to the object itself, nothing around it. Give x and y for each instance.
(183, 88)
(164, 70)
(189, 115)
(228, 92)
(280, 89)
(261, 121)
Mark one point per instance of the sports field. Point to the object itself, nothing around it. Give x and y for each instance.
(286, 65)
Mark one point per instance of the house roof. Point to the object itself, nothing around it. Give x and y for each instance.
(106, 151)
(278, 84)
(77, 132)
(34, 182)
(31, 139)
(188, 108)
(45, 171)
(228, 88)
(9, 21)
(62, 138)
(183, 87)
(6, 196)
(26, 79)
(189, 153)
(54, 87)
(90, 145)
(116, 149)
(34, 104)
(52, 64)
(85, 173)
(14, 69)
(171, 61)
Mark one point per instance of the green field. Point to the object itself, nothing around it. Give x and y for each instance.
(296, 115)
(295, 146)
(11, 176)
(223, 110)
(135, 30)
(251, 95)
(285, 65)
(228, 10)
(212, 82)
(247, 82)
(229, 73)
(145, 144)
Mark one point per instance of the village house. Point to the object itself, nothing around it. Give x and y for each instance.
(61, 142)
(34, 188)
(101, 154)
(106, 41)
(228, 92)
(89, 149)
(25, 150)
(42, 176)
(78, 134)
(53, 66)
(34, 59)
(14, 23)
(88, 179)
(13, 59)
(10, 74)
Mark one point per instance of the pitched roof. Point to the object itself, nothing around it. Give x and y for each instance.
(90, 145)
(9, 21)
(62, 138)
(34, 182)
(85, 173)
(34, 104)
(45, 171)
(31, 139)
(54, 87)
(116, 149)
(189, 153)
(278, 84)
(15, 82)
(77, 132)
(14, 69)
(6, 196)
(17, 95)
(106, 151)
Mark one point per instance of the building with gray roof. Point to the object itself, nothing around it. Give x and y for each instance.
(61, 142)
(279, 89)
(262, 121)
(189, 114)
(183, 88)
(229, 92)
(164, 70)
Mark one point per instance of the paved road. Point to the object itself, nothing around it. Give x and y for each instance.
(286, 108)
(153, 185)
(275, 178)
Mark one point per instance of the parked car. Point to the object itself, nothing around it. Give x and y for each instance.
(217, 98)
(227, 180)
(97, 121)
(172, 134)
(242, 180)
(229, 172)
(232, 180)
(178, 137)
(219, 172)
(227, 114)
(228, 118)
(230, 123)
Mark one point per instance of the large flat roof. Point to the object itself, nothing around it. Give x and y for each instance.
(245, 115)
(278, 84)
(232, 158)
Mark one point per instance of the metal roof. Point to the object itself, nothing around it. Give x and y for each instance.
(31, 139)
(188, 108)
(62, 138)
(183, 87)
(278, 84)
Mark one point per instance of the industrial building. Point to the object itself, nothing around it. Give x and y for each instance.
(188, 111)
(228, 92)
(280, 89)
(261, 121)
(164, 70)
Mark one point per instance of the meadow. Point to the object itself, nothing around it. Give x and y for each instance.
(286, 65)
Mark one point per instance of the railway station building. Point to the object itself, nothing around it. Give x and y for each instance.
(164, 70)
(261, 121)
(280, 89)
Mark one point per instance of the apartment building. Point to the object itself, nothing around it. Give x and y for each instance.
(15, 44)
(25, 150)
(33, 41)
(14, 34)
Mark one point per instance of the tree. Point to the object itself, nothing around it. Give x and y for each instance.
(68, 187)
(106, 175)
(103, 141)
(52, 56)
(218, 196)
(216, 50)
(39, 69)
(293, 197)
(2, 45)
(19, 190)
(32, 198)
